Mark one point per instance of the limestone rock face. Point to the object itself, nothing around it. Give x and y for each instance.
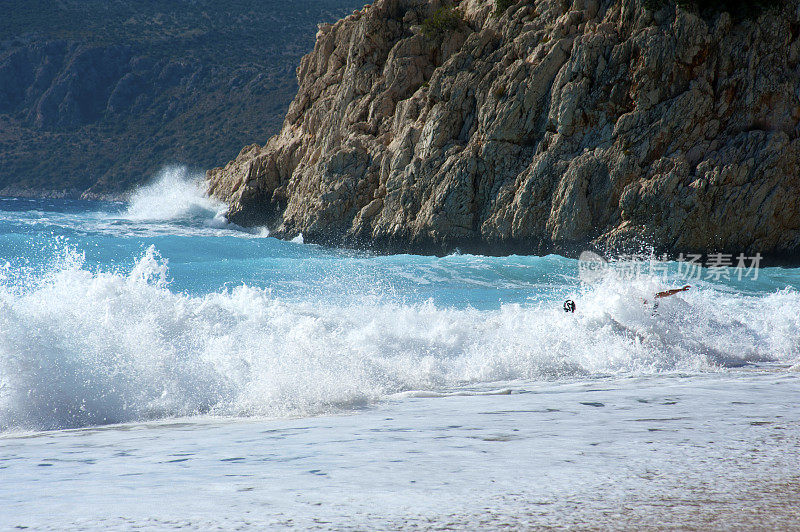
(555, 125)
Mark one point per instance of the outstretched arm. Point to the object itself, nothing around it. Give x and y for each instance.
(672, 292)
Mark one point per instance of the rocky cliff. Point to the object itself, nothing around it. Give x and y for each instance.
(548, 125)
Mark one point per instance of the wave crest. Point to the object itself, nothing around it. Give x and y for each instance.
(81, 348)
(175, 194)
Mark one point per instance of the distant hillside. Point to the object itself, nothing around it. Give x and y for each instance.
(96, 95)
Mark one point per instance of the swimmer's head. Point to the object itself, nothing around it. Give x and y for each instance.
(569, 306)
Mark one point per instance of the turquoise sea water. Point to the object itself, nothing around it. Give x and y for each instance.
(115, 312)
(158, 319)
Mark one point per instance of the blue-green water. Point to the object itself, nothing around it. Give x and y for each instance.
(222, 379)
(157, 308)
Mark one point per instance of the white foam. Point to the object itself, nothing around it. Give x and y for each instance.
(175, 194)
(82, 348)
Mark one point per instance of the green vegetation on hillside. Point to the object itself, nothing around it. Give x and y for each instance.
(443, 21)
(738, 8)
(219, 32)
(99, 94)
(501, 6)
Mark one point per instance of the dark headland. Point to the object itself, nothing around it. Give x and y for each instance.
(97, 95)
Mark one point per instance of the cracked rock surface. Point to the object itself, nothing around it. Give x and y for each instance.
(556, 125)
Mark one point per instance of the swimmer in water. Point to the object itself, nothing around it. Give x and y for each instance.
(672, 292)
(666, 293)
(569, 305)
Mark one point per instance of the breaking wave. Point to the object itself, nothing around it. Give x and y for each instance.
(82, 348)
(176, 195)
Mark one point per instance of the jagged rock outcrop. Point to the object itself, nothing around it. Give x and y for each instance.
(557, 124)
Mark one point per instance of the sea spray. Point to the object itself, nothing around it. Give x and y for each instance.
(175, 194)
(82, 347)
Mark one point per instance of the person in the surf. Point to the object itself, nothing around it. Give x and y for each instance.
(667, 293)
(569, 305)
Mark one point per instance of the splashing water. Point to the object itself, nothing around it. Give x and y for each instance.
(474, 396)
(174, 195)
(82, 348)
